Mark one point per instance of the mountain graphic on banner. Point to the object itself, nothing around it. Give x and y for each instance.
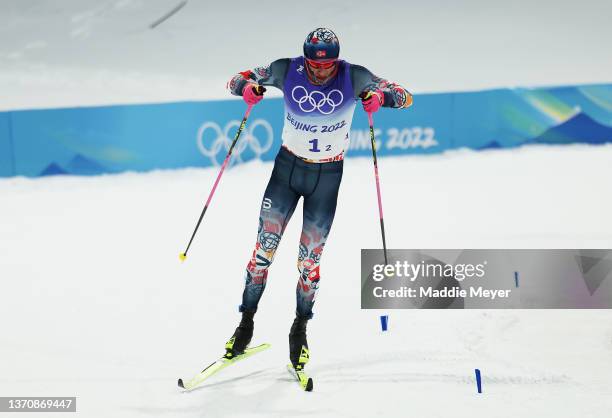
(579, 128)
(53, 169)
(78, 165)
(83, 165)
(490, 145)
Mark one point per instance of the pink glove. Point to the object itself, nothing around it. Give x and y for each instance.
(252, 93)
(372, 101)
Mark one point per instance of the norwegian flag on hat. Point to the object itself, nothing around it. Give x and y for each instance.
(321, 43)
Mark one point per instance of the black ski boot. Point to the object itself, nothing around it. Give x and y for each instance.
(242, 336)
(298, 346)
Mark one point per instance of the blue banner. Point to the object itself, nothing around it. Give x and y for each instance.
(112, 139)
(6, 146)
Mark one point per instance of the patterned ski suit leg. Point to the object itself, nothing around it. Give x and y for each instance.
(319, 211)
(277, 206)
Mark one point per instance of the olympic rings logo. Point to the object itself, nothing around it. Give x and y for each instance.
(324, 103)
(214, 142)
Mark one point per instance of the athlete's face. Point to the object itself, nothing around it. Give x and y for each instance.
(322, 73)
(322, 70)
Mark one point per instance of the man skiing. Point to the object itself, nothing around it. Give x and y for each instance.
(320, 94)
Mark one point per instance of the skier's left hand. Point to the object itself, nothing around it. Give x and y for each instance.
(372, 100)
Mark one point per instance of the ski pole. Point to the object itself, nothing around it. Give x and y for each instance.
(260, 90)
(380, 210)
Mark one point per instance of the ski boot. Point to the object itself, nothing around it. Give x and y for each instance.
(299, 353)
(242, 336)
(298, 345)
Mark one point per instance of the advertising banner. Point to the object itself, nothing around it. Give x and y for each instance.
(112, 139)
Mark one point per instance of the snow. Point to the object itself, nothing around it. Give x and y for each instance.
(96, 304)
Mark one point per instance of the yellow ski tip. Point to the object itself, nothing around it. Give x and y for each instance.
(182, 256)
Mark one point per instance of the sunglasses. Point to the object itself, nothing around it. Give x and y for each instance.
(324, 65)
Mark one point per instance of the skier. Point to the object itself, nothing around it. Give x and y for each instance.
(320, 93)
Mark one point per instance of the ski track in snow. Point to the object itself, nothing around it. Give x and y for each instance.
(96, 304)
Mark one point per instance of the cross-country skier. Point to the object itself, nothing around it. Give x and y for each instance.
(320, 93)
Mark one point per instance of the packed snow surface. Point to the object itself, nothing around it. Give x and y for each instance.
(96, 304)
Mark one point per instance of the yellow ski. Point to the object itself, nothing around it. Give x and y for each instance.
(302, 378)
(219, 365)
(297, 371)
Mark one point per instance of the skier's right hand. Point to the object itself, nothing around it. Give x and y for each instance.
(252, 93)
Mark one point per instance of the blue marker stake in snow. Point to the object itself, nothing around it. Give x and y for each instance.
(478, 381)
(384, 322)
(516, 278)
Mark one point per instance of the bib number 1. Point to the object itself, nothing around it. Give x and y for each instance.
(315, 145)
